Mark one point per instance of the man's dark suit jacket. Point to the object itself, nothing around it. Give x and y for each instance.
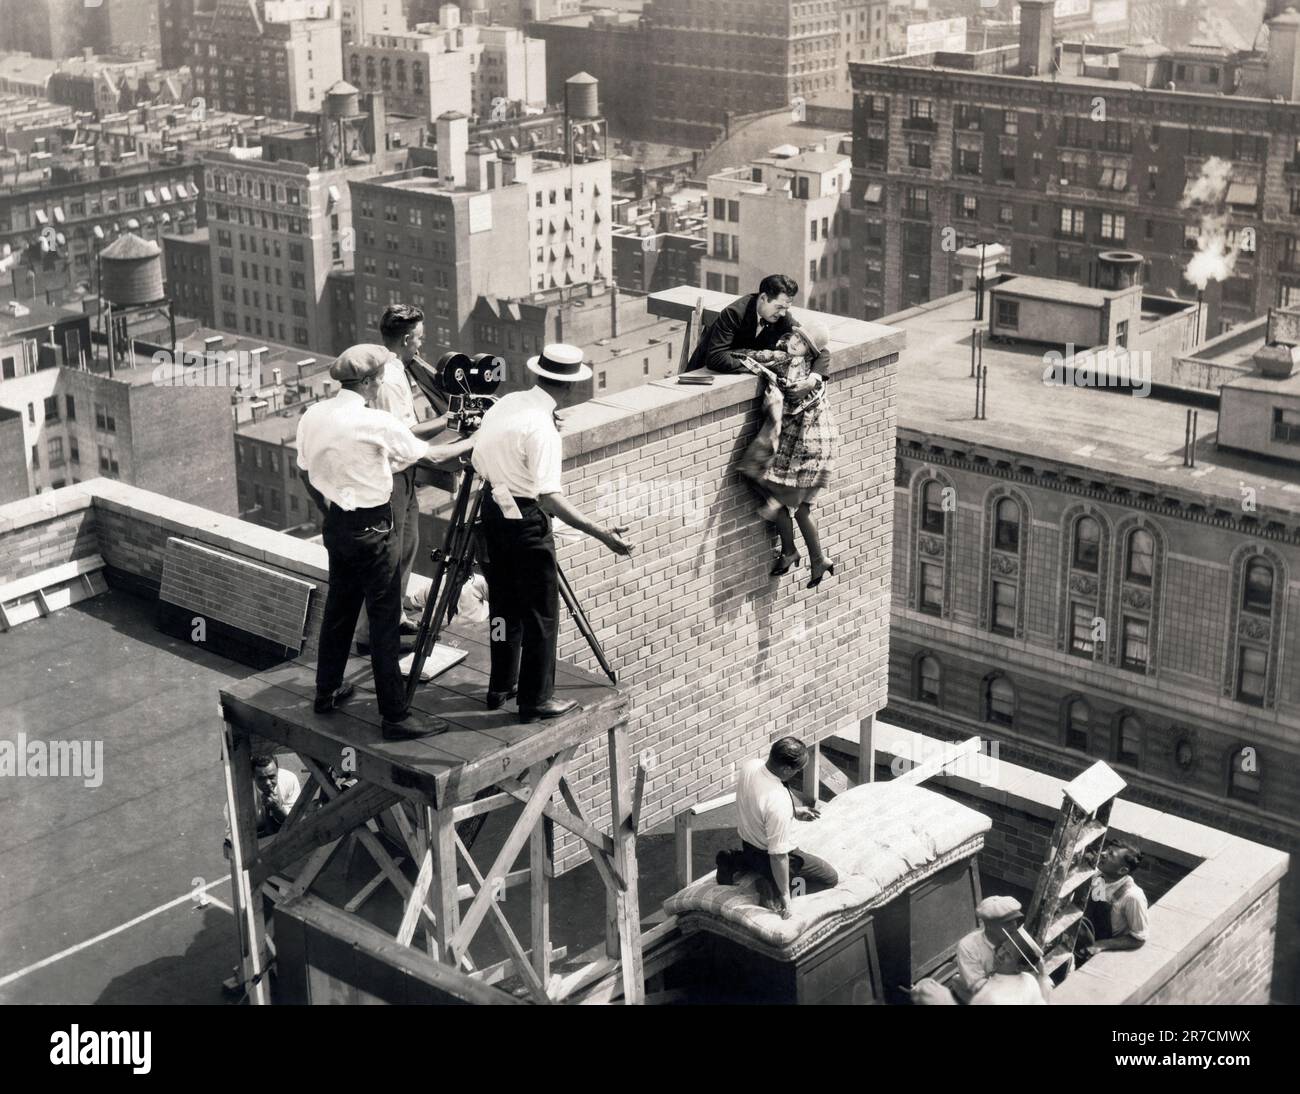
(733, 332)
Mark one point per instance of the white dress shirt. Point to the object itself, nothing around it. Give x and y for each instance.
(350, 450)
(518, 450)
(286, 785)
(764, 808)
(394, 393)
(1128, 905)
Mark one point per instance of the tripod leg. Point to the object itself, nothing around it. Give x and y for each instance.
(584, 627)
(454, 570)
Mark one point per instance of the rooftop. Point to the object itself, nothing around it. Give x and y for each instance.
(1102, 430)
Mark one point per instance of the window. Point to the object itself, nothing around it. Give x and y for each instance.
(1010, 123)
(1121, 334)
(713, 281)
(1077, 719)
(54, 451)
(928, 680)
(104, 421)
(1006, 534)
(1286, 425)
(733, 211)
(931, 588)
(918, 155)
(1113, 226)
(968, 161)
(1004, 607)
(1257, 589)
(916, 201)
(1081, 642)
(1009, 314)
(1139, 557)
(719, 207)
(1252, 672)
(967, 206)
(1128, 748)
(932, 512)
(1135, 648)
(1087, 544)
(999, 701)
(921, 110)
(1243, 774)
(1071, 222)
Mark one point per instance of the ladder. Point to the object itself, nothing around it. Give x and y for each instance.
(1061, 895)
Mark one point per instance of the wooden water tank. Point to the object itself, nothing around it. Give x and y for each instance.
(131, 272)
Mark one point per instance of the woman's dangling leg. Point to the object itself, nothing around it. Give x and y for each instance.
(785, 529)
(809, 531)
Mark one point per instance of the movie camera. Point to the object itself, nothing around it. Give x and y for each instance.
(465, 384)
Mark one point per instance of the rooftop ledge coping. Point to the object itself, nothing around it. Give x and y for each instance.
(1228, 873)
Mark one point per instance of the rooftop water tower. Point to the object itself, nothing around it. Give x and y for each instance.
(130, 284)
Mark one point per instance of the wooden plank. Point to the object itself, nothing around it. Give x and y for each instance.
(249, 913)
(505, 932)
(55, 575)
(624, 906)
(601, 968)
(810, 776)
(540, 869)
(683, 848)
(949, 755)
(578, 825)
(604, 864)
(638, 794)
(415, 900)
(311, 869)
(326, 825)
(367, 890)
(441, 828)
(357, 933)
(867, 749)
(545, 786)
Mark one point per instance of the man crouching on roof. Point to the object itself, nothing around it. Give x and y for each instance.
(767, 808)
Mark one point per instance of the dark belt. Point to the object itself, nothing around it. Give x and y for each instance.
(362, 516)
(523, 503)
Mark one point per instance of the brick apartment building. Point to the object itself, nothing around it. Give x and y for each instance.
(269, 57)
(651, 261)
(1075, 590)
(1054, 150)
(787, 211)
(187, 270)
(481, 224)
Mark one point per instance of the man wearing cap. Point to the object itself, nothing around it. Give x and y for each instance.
(402, 329)
(977, 951)
(347, 450)
(1017, 978)
(754, 322)
(517, 450)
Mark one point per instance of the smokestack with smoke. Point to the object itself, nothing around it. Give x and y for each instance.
(1214, 259)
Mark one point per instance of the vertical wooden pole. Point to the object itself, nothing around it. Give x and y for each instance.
(540, 869)
(684, 846)
(867, 749)
(446, 909)
(811, 773)
(624, 908)
(237, 753)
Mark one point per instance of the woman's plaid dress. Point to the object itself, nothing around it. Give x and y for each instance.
(804, 459)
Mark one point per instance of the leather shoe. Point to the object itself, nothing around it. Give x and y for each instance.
(726, 863)
(408, 729)
(496, 698)
(409, 627)
(552, 708)
(327, 704)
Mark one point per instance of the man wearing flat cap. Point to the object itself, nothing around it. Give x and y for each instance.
(518, 453)
(348, 450)
(977, 952)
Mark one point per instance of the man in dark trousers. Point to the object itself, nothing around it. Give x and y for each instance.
(348, 449)
(402, 329)
(517, 450)
(753, 322)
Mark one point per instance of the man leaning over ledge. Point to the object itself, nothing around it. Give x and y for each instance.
(754, 322)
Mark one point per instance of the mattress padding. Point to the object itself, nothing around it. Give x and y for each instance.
(881, 838)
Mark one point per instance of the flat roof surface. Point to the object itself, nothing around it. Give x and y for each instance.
(1106, 430)
(1047, 288)
(1289, 385)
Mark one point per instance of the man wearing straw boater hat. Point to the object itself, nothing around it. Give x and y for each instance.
(517, 450)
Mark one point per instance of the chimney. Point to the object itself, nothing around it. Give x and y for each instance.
(453, 142)
(1037, 24)
(1277, 358)
(1283, 56)
(613, 310)
(482, 168)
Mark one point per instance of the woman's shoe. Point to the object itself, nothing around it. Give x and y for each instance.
(785, 564)
(820, 570)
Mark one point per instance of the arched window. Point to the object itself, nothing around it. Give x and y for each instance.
(1000, 701)
(1077, 721)
(1087, 544)
(1139, 557)
(932, 514)
(1243, 774)
(928, 680)
(1128, 746)
(1257, 589)
(1006, 534)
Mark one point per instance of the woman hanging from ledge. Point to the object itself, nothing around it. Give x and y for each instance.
(791, 459)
